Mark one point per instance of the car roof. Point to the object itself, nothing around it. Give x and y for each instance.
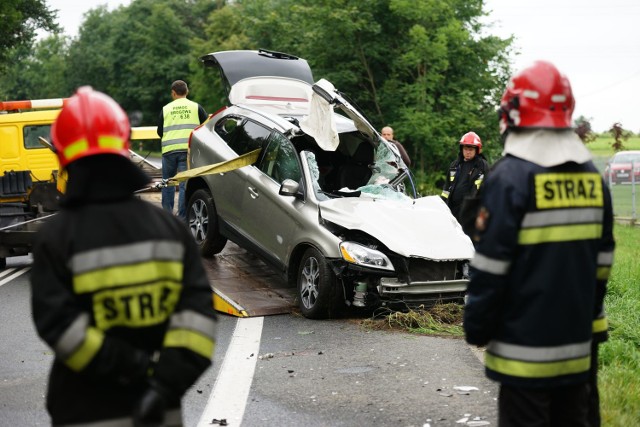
(236, 65)
(632, 153)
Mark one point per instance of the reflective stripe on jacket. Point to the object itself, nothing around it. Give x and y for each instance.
(180, 117)
(112, 282)
(478, 172)
(537, 278)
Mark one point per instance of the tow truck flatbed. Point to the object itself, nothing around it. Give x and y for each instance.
(244, 286)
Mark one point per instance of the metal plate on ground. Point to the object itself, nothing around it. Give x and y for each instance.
(245, 286)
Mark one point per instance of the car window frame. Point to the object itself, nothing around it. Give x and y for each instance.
(262, 163)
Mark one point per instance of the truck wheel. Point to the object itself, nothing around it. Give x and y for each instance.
(203, 223)
(317, 290)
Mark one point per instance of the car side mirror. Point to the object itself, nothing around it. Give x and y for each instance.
(289, 187)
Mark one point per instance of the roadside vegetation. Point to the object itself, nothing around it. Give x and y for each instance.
(439, 320)
(446, 77)
(620, 355)
(602, 145)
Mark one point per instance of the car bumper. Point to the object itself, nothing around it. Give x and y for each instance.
(393, 287)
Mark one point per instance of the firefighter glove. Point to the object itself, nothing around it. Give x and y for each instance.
(149, 410)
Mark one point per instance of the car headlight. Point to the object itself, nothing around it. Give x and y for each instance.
(356, 253)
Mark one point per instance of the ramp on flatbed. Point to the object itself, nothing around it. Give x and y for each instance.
(244, 286)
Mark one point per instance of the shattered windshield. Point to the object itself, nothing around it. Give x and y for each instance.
(364, 172)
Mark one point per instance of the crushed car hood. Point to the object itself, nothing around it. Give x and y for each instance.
(422, 227)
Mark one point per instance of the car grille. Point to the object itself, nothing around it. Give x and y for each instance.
(422, 270)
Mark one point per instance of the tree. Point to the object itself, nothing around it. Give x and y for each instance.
(20, 20)
(134, 53)
(423, 67)
(583, 129)
(619, 136)
(426, 68)
(36, 71)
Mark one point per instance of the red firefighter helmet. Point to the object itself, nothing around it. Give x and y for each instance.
(537, 97)
(472, 139)
(91, 123)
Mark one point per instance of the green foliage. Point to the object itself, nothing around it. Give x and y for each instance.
(583, 129)
(36, 71)
(620, 355)
(620, 135)
(134, 53)
(422, 67)
(426, 68)
(20, 20)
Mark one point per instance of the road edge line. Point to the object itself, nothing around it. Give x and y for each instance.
(228, 398)
(14, 275)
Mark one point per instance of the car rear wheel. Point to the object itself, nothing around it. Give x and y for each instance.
(203, 223)
(317, 289)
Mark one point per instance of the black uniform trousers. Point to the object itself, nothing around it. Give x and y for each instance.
(553, 407)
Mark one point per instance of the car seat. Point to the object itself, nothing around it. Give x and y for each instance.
(356, 172)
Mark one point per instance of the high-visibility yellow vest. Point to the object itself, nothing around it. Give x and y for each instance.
(180, 117)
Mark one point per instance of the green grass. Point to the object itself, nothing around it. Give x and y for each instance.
(620, 356)
(601, 147)
(439, 320)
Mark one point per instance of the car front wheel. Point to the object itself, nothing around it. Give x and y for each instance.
(203, 223)
(317, 288)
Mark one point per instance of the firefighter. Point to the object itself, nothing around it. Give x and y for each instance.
(545, 249)
(177, 119)
(119, 292)
(466, 173)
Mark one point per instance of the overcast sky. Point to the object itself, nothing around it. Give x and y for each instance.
(595, 43)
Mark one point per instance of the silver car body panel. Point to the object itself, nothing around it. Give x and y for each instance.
(407, 227)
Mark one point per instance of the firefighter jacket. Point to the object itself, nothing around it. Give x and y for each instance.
(463, 179)
(539, 274)
(121, 296)
(177, 119)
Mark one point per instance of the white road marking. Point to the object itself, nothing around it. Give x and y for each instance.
(6, 271)
(9, 276)
(228, 398)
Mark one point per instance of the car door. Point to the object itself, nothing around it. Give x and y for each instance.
(269, 218)
(242, 136)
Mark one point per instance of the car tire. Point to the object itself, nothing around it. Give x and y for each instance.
(202, 219)
(3, 263)
(317, 289)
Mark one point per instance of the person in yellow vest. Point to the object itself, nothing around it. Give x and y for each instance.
(177, 119)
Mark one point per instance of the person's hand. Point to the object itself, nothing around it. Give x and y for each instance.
(149, 410)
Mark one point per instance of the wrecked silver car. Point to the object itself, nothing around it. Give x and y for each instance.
(328, 203)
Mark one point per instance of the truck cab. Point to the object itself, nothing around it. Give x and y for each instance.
(29, 184)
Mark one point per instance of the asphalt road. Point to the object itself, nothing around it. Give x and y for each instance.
(279, 370)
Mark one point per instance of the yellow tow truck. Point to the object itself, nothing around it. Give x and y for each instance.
(31, 182)
(31, 185)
